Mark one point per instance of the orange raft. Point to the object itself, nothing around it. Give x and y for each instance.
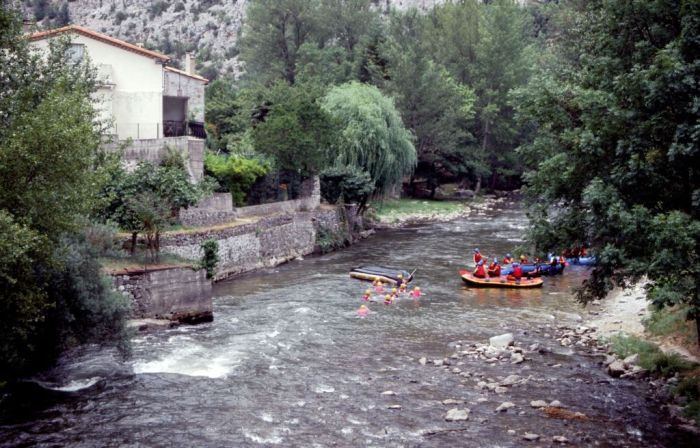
(499, 282)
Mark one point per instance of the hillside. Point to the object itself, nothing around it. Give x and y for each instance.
(209, 28)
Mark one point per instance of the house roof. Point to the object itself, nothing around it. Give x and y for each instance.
(184, 73)
(101, 37)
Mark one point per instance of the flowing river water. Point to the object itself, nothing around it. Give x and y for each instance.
(287, 362)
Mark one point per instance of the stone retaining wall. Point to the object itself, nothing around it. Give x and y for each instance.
(173, 293)
(267, 242)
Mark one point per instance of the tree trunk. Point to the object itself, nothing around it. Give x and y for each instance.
(134, 235)
(478, 185)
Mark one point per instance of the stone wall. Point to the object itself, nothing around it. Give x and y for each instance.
(218, 209)
(178, 294)
(269, 241)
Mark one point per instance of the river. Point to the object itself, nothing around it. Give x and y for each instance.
(287, 362)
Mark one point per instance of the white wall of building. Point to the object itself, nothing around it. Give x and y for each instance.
(132, 92)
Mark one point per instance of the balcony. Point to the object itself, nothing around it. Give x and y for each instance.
(173, 128)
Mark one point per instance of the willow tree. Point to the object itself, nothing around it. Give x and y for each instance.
(373, 137)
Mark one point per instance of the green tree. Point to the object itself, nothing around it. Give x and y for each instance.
(273, 35)
(148, 199)
(488, 47)
(50, 168)
(373, 137)
(434, 106)
(616, 149)
(292, 127)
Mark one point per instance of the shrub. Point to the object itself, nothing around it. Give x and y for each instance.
(235, 174)
(348, 184)
(650, 356)
(210, 256)
(329, 240)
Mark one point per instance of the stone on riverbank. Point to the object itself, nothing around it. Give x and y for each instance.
(538, 404)
(616, 368)
(502, 341)
(503, 407)
(531, 437)
(455, 415)
(560, 439)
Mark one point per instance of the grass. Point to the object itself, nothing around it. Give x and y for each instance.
(392, 208)
(672, 322)
(651, 357)
(140, 260)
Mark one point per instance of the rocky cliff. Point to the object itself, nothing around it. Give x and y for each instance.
(209, 28)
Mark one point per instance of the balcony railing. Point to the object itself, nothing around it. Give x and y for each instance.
(181, 128)
(141, 131)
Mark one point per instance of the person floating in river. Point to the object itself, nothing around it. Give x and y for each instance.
(363, 311)
(517, 273)
(494, 268)
(508, 259)
(367, 295)
(477, 256)
(379, 287)
(388, 299)
(479, 272)
(415, 293)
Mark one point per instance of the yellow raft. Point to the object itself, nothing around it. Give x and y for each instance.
(500, 282)
(391, 276)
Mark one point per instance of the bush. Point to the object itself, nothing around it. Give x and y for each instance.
(120, 17)
(210, 256)
(348, 184)
(235, 174)
(650, 356)
(328, 240)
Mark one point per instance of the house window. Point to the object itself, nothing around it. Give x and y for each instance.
(75, 53)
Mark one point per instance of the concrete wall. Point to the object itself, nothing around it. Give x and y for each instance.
(178, 294)
(153, 151)
(183, 86)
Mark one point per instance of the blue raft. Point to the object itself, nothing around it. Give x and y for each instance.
(582, 261)
(535, 270)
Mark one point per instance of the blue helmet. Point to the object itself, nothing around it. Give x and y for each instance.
(476, 251)
(516, 264)
(509, 255)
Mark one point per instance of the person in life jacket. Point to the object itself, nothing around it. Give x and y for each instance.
(494, 268)
(517, 273)
(415, 293)
(477, 256)
(479, 272)
(523, 259)
(508, 259)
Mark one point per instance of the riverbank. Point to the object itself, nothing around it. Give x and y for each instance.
(403, 212)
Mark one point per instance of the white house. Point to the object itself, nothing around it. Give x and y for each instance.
(146, 101)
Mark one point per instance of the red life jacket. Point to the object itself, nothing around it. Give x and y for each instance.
(518, 272)
(477, 257)
(507, 260)
(479, 272)
(494, 271)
